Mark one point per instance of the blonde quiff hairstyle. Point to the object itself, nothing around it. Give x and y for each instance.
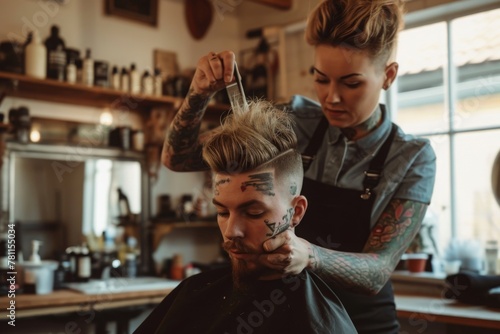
(258, 139)
(366, 25)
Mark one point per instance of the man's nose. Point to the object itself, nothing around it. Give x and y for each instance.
(233, 228)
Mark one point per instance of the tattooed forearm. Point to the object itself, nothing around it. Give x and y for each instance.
(182, 147)
(351, 271)
(395, 229)
(185, 128)
(368, 271)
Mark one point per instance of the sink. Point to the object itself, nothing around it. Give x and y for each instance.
(123, 284)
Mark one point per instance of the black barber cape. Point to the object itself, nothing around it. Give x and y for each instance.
(206, 304)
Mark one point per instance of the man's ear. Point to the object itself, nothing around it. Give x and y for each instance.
(391, 71)
(300, 206)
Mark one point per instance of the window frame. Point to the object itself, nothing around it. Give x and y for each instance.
(446, 13)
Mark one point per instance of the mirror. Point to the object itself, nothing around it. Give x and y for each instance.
(495, 178)
(58, 197)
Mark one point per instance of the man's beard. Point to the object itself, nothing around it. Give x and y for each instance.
(244, 272)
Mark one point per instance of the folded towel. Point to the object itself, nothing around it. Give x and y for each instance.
(471, 287)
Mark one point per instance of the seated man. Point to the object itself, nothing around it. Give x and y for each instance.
(257, 178)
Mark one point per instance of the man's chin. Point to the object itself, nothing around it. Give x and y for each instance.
(245, 272)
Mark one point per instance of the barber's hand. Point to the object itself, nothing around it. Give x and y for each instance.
(212, 73)
(287, 253)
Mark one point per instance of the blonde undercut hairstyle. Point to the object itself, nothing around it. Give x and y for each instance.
(365, 25)
(261, 138)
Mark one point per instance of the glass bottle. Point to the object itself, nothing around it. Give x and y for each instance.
(56, 55)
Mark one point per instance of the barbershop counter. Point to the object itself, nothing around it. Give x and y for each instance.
(72, 310)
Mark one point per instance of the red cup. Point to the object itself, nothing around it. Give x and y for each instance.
(415, 262)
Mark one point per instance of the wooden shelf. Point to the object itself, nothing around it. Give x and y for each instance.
(18, 85)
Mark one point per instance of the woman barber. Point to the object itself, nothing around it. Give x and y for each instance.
(368, 183)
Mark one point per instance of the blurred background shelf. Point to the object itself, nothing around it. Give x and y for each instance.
(19, 85)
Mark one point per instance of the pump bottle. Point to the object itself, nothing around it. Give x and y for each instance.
(36, 58)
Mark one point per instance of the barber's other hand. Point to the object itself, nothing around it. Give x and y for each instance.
(286, 253)
(212, 73)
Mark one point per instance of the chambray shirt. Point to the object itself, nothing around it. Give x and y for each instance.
(409, 169)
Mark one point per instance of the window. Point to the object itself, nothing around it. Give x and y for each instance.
(448, 91)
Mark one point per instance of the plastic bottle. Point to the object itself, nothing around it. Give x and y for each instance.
(56, 55)
(115, 78)
(147, 83)
(88, 69)
(125, 80)
(158, 83)
(135, 80)
(36, 58)
(71, 72)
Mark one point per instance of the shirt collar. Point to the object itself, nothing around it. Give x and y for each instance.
(369, 142)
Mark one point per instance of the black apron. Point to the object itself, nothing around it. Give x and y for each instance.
(339, 219)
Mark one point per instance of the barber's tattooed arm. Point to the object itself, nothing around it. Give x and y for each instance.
(183, 143)
(367, 272)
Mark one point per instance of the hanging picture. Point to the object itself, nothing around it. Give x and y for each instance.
(145, 11)
(166, 61)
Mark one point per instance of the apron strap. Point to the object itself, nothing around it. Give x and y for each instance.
(374, 171)
(314, 144)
